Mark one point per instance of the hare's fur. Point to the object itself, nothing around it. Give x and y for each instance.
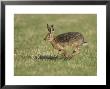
(59, 42)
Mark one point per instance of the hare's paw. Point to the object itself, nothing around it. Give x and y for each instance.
(68, 57)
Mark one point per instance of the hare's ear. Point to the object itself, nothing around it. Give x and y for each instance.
(52, 28)
(49, 29)
(47, 25)
(52, 25)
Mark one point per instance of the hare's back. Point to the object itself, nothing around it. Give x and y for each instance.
(70, 37)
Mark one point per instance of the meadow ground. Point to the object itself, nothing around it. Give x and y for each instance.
(35, 57)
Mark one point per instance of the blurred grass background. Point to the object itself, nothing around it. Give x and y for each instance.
(29, 32)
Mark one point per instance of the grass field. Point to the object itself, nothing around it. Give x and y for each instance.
(35, 57)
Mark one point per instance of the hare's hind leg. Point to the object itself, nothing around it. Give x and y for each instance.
(66, 54)
(76, 51)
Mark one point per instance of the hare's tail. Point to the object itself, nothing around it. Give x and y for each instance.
(85, 43)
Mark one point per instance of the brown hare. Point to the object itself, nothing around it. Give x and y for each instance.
(59, 42)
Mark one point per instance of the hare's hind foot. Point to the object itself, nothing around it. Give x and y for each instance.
(68, 57)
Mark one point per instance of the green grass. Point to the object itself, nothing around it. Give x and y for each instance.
(29, 31)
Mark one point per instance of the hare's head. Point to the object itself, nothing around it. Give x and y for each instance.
(50, 34)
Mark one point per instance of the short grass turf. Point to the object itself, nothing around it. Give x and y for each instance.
(35, 57)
